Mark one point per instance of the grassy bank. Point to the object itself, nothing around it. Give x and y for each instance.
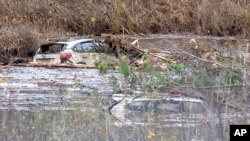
(50, 18)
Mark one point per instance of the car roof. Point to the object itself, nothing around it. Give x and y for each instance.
(171, 98)
(74, 41)
(119, 97)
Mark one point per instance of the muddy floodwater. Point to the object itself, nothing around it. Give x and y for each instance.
(66, 104)
(53, 104)
(71, 104)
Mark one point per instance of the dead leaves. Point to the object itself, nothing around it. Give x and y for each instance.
(193, 43)
(93, 20)
(150, 134)
(3, 67)
(210, 55)
(2, 80)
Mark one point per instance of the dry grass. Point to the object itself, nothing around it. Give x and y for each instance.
(224, 17)
(18, 42)
(49, 18)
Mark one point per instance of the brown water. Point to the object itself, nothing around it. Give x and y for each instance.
(49, 104)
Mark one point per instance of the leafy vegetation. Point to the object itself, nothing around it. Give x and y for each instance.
(124, 68)
(104, 65)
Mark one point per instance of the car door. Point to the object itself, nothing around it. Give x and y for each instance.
(77, 57)
(85, 53)
(89, 54)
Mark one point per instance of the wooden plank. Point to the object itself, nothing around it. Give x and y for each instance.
(55, 65)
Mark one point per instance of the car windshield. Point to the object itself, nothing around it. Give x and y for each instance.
(88, 47)
(52, 48)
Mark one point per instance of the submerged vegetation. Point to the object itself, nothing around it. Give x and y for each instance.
(104, 65)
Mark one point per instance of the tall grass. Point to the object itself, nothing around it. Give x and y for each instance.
(224, 17)
(52, 18)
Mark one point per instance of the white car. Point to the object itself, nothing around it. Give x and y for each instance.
(74, 51)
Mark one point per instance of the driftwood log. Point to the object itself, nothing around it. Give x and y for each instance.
(45, 65)
(118, 46)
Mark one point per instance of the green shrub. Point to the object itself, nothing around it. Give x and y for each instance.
(104, 66)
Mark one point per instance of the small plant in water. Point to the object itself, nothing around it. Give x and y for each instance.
(178, 68)
(114, 83)
(124, 68)
(104, 66)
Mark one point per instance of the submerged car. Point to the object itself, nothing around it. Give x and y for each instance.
(165, 110)
(74, 51)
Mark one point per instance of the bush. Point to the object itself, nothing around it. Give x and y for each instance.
(104, 66)
(18, 42)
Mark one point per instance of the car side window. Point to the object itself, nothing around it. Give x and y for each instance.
(84, 47)
(194, 107)
(88, 46)
(169, 106)
(138, 106)
(78, 48)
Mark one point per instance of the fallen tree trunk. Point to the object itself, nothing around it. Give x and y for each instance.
(117, 45)
(152, 54)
